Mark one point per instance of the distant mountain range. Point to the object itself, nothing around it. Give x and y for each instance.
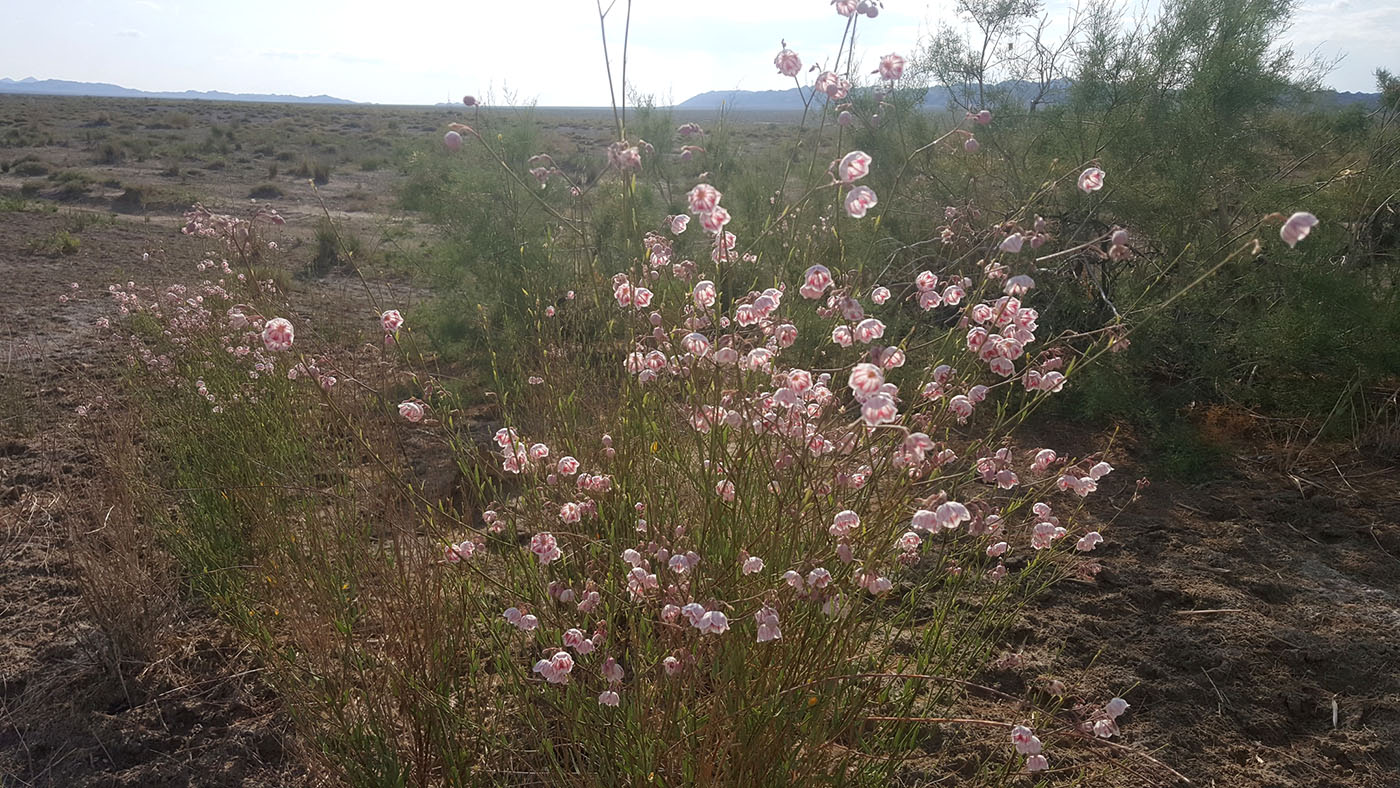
(1014, 90)
(63, 87)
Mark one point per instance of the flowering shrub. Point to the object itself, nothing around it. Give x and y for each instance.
(758, 515)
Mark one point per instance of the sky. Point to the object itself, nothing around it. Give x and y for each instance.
(546, 51)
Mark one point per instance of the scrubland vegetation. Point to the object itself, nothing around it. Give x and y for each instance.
(700, 457)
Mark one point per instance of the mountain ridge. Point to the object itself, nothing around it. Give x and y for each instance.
(30, 86)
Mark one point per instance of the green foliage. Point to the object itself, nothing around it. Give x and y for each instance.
(60, 243)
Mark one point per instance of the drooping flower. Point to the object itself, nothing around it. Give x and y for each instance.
(1088, 541)
(545, 547)
(854, 166)
(411, 411)
(767, 620)
(679, 222)
(714, 219)
(704, 294)
(713, 622)
(859, 201)
(1091, 180)
(1297, 228)
(869, 330)
(608, 698)
(277, 334)
(391, 320)
(752, 565)
(452, 141)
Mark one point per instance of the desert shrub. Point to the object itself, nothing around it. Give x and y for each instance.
(335, 246)
(30, 169)
(60, 243)
(317, 170)
(739, 496)
(266, 191)
(110, 153)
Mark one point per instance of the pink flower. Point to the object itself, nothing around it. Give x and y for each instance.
(703, 198)
(835, 87)
(539, 451)
(961, 407)
(1297, 228)
(1088, 542)
(869, 330)
(411, 411)
(1037, 763)
(878, 409)
(556, 669)
(569, 513)
(845, 118)
(752, 565)
(843, 523)
(1012, 244)
(997, 550)
(785, 335)
(704, 294)
(854, 166)
(819, 578)
(788, 63)
(908, 542)
(865, 379)
(767, 620)
(1043, 460)
(391, 320)
(696, 344)
(1025, 740)
(608, 698)
(860, 200)
(842, 336)
(983, 117)
(672, 665)
(1115, 708)
(612, 671)
(713, 623)
(725, 489)
(567, 465)
(880, 295)
(815, 281)
(891, 67)
(544, 546)
(971, 145)
(715, 219)
(1091, 180)
(1018, 285)
(452, 141)
(278, 334)
(846, 7)
(1100, 470)
(679, 222)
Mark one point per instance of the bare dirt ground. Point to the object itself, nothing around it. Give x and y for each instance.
(74, 709)
(1253, 622)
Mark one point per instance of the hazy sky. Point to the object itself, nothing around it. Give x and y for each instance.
(426, 51)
